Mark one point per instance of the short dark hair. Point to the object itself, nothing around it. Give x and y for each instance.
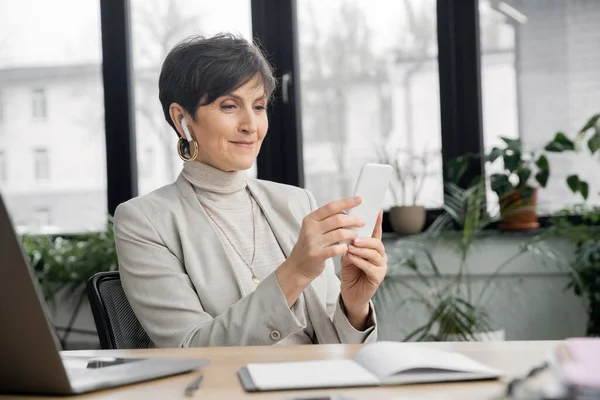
(199, 70)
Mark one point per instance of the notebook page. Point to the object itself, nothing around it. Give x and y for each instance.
(385, 359)
(310, 374)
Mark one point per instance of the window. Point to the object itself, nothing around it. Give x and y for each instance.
(3, 170)
(540, 63)
(156, 27)
(60, 166)
(370, 93)
(1, 107)
(42, 167)
(41, 218)
(38, 103)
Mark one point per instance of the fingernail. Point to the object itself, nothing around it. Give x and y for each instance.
(357, 241)
(362, 223)
(356, 199)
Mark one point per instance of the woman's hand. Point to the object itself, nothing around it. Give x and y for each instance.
(363, 268)
(319, 238)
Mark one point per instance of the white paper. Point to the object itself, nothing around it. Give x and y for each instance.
(310, 374)
(385, 359)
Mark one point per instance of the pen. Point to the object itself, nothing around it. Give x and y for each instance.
(193, 386)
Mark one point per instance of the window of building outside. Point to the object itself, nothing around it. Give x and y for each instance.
(42, 220)
(3, 169)
(370, 93)
(42, 165)
(157, 26)
(540, 64)
(53, 64)
(38, 102)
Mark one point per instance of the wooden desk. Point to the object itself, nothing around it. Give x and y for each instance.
(221, 381)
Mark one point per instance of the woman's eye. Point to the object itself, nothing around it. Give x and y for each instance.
(260, 108)
(228, 106)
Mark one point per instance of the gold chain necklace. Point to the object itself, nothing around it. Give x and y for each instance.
(255, 278)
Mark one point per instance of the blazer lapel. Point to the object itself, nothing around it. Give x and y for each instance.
(286, 232)
(216, 262)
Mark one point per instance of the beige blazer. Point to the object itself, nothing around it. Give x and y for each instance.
(183, 287)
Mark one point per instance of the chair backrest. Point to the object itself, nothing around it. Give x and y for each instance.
(116, 323)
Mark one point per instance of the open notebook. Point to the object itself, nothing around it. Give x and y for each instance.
(381, 363)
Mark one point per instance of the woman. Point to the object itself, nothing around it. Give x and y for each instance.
(217, 258)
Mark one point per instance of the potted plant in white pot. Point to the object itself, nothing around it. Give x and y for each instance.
(411, 170)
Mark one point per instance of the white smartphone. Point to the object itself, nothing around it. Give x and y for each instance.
(371, 186)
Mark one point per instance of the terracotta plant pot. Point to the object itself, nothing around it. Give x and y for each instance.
(407, 220)
(517, 215)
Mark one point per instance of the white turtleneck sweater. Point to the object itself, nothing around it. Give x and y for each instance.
(227, 201)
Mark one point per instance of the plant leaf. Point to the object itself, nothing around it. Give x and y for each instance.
(494, 154)
(512, 144)
(573, 182)
(457, 168)
(594, 142)
(542, 163)
(584, 189)
(524, 174)
(560, 143)
(542, 178)
(590, 123)
(512, 160)
(500, 184)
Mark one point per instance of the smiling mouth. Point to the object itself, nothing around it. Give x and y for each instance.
(244, 144)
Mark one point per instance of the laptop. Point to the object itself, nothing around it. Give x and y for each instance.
(30, 361)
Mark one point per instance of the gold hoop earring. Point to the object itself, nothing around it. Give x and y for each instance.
(188, 151)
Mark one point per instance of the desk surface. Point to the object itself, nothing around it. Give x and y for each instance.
(221, 381)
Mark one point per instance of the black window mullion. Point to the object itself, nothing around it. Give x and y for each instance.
(274, 26)
(460, 83)
(119, 116)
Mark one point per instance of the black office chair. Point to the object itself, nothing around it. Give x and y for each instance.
(117, 325)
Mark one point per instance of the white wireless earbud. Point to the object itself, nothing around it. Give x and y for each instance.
(186, 130)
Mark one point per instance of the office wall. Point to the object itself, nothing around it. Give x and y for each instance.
(528, 299)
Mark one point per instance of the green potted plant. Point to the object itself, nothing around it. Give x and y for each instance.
(590, 133)
(517, 176)
(455, 310)
(524, 172)
(517, 183)
(584, 234)
(64, 263)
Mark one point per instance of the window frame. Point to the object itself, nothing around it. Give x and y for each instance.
(274, 27)
(460, 93)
